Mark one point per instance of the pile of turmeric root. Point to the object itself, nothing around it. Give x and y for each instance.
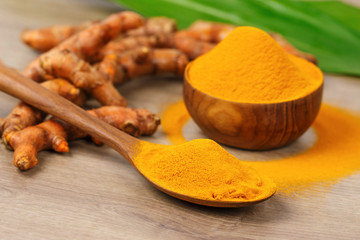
(87, 60)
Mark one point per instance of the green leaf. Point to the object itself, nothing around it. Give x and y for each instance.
(344, 13)
(316, 27)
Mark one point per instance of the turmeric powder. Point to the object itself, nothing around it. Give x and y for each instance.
(334, 155)
(173, 120)
(257, 70)
(202, 169)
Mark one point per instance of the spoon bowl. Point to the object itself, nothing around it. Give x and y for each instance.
(211, 203)
(32, 93)
(254, 126)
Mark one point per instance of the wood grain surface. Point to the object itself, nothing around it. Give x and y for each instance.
(92, 193)
(251, 126)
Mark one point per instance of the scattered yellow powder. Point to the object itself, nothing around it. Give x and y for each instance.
(250, 66)
(335, 154)
(202, 169)
(176, 115)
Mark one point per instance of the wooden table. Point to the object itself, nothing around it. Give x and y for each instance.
(92, 193)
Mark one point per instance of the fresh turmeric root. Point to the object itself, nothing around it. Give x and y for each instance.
(143, 61)
(291, 49)
(44, 39)
(121, 45)
(54, 133)
(24, 115)
(191, 46)
(86, 43)
(155, 26)
(201, 33)
(65, 64)
(66, 90)
(212, 32)
(200, 37)
(180, 40)
(113, 69)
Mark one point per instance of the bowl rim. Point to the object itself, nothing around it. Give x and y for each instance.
(186, 79)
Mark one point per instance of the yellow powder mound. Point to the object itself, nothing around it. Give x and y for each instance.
(249, 66)
(202, 169)
(335, 154)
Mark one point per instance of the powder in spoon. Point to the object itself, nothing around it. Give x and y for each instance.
(202, 169)
(250, 66)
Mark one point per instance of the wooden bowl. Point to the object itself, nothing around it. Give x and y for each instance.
(255, 126)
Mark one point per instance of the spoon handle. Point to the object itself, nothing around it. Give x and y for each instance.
(15, 84)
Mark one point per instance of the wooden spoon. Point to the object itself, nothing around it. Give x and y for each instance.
(254, 126)
(34, 94)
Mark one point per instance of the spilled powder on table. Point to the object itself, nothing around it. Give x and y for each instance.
(174, 116)
(335, 154)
